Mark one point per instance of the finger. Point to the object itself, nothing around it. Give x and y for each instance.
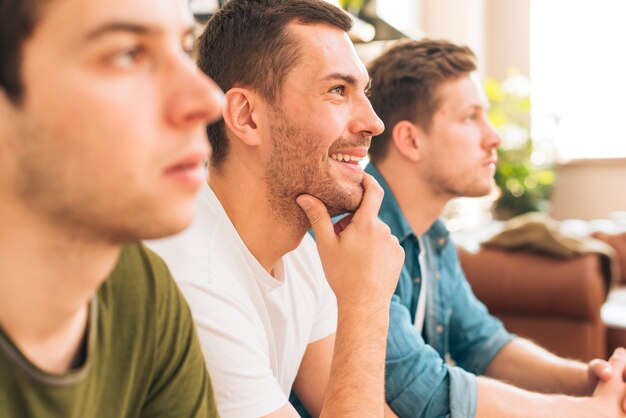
(342, 223)
(372, 198)
(318, 216)
(600, 369)
(617, 362)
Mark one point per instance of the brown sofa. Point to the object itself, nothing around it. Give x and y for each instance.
(556, 303)
(616, 330)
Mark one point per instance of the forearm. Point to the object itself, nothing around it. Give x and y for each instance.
(499, 400)
(530, 367)
(357, 377)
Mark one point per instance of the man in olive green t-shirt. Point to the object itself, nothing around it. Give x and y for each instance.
(102, 144)
(140, 357)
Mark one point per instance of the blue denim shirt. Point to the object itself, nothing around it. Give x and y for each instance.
(434, 374)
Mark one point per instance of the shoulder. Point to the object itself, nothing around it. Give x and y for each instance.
(189, 255)
(140, 276)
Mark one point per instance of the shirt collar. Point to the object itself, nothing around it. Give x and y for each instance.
(391, 214)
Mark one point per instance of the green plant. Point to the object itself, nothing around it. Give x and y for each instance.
(525, 185)
(353, 6)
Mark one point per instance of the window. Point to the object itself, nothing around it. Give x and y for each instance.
(578, 72)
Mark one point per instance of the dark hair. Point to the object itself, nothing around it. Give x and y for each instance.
(17, 22)
(246, 44)
(405, 80)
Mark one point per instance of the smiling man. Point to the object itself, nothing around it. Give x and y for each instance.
(102, 143)
(439, 145)
(296, 123)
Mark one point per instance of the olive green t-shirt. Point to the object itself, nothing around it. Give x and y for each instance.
(142, 357)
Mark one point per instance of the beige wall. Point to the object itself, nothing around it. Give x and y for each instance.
(497, 30)
(590, 189)
(507, 37)
(460, 21)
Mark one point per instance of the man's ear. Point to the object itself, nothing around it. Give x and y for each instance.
(407, 138)
(239, 115)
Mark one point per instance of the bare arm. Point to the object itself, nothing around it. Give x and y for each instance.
(312, 379)
(362, 262)
(529, 366)
(497, 399)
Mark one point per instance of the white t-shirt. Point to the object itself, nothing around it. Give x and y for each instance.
(253, 328)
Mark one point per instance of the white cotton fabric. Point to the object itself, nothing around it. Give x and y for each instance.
(420, 312)
(253, 328)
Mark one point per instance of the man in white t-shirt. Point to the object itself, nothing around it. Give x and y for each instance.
(296, 123)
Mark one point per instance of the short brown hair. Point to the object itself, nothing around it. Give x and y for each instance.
(405, 80)
(245, 44)
(17, 22)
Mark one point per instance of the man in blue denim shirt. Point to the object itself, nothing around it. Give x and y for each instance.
(438, 145)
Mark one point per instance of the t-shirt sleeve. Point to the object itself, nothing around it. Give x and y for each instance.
(236, 352)
(326, 316)
(181, 386)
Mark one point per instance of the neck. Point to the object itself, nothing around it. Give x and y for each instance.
(47, 278)
(419, 204)
(243, 195)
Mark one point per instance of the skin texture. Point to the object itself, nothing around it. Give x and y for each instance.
(118, 105)
(459, 151)
(106, 148)
(309, 125)
(278, 179)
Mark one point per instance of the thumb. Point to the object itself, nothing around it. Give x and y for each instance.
(617, 362)
(600, 370)
(318, 216)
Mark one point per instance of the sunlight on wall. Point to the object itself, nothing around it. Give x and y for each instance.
(577, 67)
(401, 14)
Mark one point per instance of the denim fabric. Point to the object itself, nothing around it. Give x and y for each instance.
(433, 374)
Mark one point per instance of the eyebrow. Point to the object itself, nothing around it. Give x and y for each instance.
(128, 27)
(339, 76)
(347, 78)
(477, 106)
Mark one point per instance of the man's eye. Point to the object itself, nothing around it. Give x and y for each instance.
(340, 90)
(127, 58)
(189, 43)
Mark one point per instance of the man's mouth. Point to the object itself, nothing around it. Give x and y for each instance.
(346, 158)
(352, 155)
(189, 170)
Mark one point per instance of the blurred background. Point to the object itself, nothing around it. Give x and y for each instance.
(553, 71)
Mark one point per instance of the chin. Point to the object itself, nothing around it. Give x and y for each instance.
(345, 202)
(168, 224)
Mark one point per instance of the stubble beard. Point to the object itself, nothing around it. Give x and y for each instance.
(457, 186)
(54, 193)
(296, 167)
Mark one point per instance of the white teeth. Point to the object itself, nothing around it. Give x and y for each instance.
(346, 158)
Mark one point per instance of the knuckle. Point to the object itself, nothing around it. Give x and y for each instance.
(314, 218)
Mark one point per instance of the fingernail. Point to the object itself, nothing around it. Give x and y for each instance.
(303, 202)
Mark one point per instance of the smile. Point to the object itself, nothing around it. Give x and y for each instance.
(353, 159)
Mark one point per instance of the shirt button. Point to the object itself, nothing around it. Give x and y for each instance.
(439, 329)
(437, 275)
(416, 280)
